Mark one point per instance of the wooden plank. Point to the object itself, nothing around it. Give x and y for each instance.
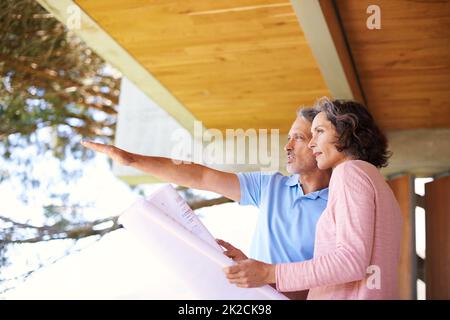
(232, 64)
(404, 193)
(437, 261)
(404, 67)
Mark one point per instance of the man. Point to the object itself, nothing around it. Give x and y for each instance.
(289, 206)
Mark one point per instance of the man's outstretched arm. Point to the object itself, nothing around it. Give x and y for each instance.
(188, 175)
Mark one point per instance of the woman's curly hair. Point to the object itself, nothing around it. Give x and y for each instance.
(358, 134)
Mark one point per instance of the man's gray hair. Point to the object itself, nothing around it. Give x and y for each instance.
(307, 113)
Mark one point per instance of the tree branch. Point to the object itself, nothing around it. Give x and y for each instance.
(87, 229)
(19, 224)
(207, 203)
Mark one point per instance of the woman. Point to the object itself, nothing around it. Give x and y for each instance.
(357, 244)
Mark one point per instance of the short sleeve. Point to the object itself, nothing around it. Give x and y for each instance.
(250, 184)
(254, 186)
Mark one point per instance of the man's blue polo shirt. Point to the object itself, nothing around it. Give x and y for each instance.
(286, 225)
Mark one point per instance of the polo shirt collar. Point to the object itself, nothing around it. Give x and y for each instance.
(322, 193)
(293, 180)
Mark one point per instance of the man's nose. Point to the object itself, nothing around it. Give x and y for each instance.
(288, 146)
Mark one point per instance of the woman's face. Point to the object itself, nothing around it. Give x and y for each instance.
(323, 143)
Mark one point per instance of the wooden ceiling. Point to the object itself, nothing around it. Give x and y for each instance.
(404, 67)
(247, 64)
(232, 64)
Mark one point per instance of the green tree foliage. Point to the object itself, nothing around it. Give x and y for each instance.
(54, 91)
(50, 78)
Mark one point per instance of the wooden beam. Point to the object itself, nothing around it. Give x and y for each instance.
(403, 189)
(323, 31)
(437, 260)
(106, 47)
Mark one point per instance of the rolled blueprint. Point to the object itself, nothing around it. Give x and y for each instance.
(198, 263)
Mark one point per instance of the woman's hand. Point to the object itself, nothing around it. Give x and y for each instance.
(232, 252)
(118, 155)
(250, 273)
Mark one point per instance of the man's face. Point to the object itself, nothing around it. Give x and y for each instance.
(300, 158)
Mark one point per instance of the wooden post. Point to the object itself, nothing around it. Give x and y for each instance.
(437, 261)
(403, 189)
